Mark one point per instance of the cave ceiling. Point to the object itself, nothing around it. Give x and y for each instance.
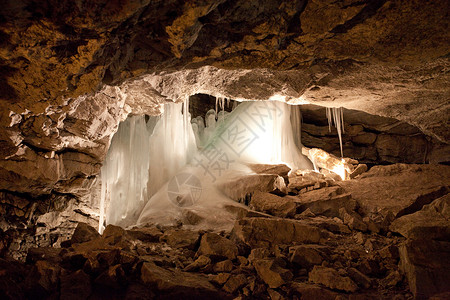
(71, 70)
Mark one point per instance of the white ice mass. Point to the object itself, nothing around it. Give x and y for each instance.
(163, 168)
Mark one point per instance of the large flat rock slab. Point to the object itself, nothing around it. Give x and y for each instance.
(398, 189)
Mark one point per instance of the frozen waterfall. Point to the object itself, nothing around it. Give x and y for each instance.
(155, 169)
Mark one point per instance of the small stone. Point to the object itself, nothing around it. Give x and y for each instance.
(223, 266)
(274, 295)
(243, 261)
(361, 279)
(359, 238)
(392, 279)
(361, 168)
(331, 278)
(258, 253)
(270, 271)
(234, 283)
(352, 220)
(305, 255)
(220, 278)
(76, 285)
(200, 263)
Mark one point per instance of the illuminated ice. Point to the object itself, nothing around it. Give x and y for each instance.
(158, 170)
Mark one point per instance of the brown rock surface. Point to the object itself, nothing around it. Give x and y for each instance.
(398, 189)
(263, 231)
(215, 245)
(425, 264)
(431, 222)
(330, 278)
(270, 271)
(273, 204)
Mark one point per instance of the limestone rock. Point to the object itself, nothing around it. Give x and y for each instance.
(310, 291)
(84, 233)
(175, 281)
(234, 283)
(179, 238)
(215, 245)
(330, 278)
(223, 266)
(280, 169)
(352, 219)
(200, 263)
(306, 255)
(270, 271)
(358, 277)
(238, 187)
(431, 222)
(425, 264)
(326, 201)
(263, 231)
(410, 187)
(273, 204)
(76, 285)
(146, 234)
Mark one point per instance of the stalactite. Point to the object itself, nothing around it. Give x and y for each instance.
(336, 115)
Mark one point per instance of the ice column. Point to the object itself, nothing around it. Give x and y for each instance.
(124, 174)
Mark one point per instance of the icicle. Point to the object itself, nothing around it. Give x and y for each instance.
(336, 115)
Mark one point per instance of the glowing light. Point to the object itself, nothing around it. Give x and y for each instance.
(322, 159)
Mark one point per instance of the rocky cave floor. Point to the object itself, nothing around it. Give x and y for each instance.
(383, 235)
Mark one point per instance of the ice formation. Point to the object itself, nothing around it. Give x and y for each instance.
(185, 163)
(336, 115)
(143, 156)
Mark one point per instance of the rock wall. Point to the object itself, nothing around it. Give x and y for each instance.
(371, 139)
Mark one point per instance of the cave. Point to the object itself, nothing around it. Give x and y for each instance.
(224, 149)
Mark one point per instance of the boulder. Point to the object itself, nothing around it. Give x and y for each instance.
(223, 266)
(352, 220)
(271, 272)
(262, 232)
(431, 222)
(200, 263)
(331, 278)
(358, 277)
(326, 201)
(146, 234)
(215, 245)
(306, 255)
(273, 204)
(175, 282)
(234, 283)
(76, 285)
(398, 189)
(180, 238)
(425, 264)
(84, 233)
(361, 168)
(310, 291)
(238, 187)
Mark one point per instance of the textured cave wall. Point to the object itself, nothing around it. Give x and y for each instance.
(70, 71)
(383, 57)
